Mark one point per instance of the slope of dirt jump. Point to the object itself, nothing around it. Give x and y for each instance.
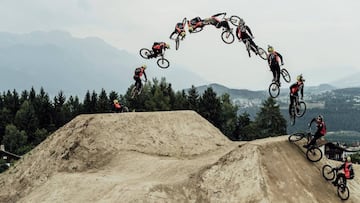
(174, 156)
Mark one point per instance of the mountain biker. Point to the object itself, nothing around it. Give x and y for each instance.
(243, 33)
(213, 20)
(116, 106)
(179, 29)
(195, 23)
(274, 58)
(320, 131)
(294, 92)
(346, 173)
(158, 48)
(137, 75)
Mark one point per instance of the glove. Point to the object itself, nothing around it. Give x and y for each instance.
(282, 64)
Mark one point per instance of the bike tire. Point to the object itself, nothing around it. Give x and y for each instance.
(134, 92)
(235, 20)
(285, 74)
(296, 137)
(274, 90)
(328, 173)
(302, 109)
(314, 154)
(177, 43)
(163, 63)
(262, 53)
(227, 37)
(343, 192)
(125, 109)
(144, 52)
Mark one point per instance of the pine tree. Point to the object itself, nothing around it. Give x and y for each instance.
(269, 120)
(210, 107)
(193, 99)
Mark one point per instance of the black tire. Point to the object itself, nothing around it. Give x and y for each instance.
(163, 63)
(262, 53)
(134, 92)
(125, 109)
(227, 36)
(235, 20)
(285, 74)
(328, 173)
(302, 109)
(274, 90)
(144, 52)
(314, 154)
(296, 137)
(177, 42)
(343, 192)
(197, 29)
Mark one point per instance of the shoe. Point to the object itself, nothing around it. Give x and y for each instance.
(334, 183)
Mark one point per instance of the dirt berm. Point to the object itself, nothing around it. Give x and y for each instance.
(174, 156)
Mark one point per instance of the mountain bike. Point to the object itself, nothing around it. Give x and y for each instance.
(178, 37)
(136, 90)
(313, 153)
(197, 26)
(330, 173)
(161, 62)
(297, 110)
(274, 87)
(249, 47)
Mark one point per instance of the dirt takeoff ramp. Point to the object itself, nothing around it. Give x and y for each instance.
(162, 157)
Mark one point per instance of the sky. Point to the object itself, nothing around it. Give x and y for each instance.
(319, 39)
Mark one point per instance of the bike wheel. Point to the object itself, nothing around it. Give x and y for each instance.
(125, 109)
(274, 90)
(328, 173)
(285, 74)
(134, 92)
(314, 154)
(235, 20)
(296, 137)
(177, 42)
(163, 63)
(262, 53)
(343, 192)
(302, 109)
(227, 36)
(144, 52)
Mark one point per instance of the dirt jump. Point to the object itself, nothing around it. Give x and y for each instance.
(170, 156)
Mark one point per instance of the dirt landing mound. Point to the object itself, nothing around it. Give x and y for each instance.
(163, 157)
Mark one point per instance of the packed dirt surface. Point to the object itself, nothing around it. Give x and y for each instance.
(175, 156)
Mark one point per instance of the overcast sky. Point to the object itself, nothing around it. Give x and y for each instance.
(319, 38)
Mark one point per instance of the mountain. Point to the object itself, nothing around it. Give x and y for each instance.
(58, 61)
(349, 81)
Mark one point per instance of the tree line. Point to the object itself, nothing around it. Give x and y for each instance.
(26, 119)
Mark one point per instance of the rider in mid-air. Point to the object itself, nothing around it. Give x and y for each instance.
(243, 33)
(274, 60)
(137, 75)
(213, 20)
(179, 29)
(295, 88)
(158, 48)
(320, 131)
(195, 23)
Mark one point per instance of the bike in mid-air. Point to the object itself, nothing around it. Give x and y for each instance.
(297, 110)
(313, 153)
(178, 35)
(136, 90)
(274, 87)
(161, 62)
(330, 173)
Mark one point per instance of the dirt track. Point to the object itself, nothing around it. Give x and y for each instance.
(163, 157)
